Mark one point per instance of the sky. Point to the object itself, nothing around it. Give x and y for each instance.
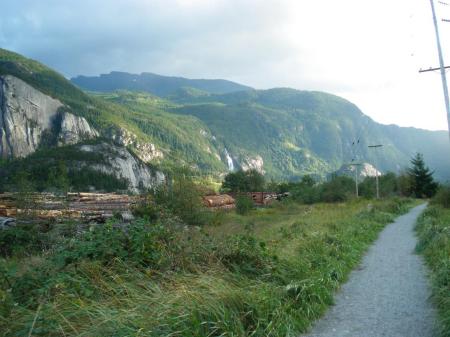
(368, 52)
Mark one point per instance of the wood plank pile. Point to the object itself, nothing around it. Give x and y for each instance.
(82, 206)
(222, 201)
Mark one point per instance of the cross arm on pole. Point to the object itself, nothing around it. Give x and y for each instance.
(432, 69)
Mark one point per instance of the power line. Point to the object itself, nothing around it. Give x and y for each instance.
(357, 143)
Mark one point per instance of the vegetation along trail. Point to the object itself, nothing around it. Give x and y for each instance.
(388, 294)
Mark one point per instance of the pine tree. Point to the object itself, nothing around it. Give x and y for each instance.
(423, 184)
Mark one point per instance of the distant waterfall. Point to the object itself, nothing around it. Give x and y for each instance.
(229, 161)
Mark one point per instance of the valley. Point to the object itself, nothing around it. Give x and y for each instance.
(282, 132)
(147, 205)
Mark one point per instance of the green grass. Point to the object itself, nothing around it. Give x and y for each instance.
(434, 244)
(268, 273)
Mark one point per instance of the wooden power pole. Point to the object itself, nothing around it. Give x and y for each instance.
(356, 177)
(376, 173)
(441, 65)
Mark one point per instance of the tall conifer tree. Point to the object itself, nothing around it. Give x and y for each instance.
(423, 184)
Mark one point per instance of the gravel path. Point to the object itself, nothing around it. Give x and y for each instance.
(388, 294)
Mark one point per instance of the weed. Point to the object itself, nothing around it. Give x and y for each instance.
(156, 278)
(244, 204)
(434, 244)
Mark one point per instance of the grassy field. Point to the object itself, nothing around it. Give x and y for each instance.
(269, 273)
(434, 243)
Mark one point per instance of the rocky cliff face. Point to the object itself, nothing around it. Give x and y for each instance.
(74, 129)
(146, 152)
(29, 119)
(27, 116)
(123, 164)
(364, 170)
(253, 163)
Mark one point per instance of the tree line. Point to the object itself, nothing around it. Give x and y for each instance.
(417, 181)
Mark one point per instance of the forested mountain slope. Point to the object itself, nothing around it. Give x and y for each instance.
(284, 132)
(301, 131)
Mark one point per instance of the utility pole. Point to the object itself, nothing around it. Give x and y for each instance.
(376, 173)
(441, 64)
(356, 177)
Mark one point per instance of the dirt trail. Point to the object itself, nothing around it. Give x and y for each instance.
(388, 295)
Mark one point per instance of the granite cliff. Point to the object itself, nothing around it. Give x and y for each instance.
(29, 119)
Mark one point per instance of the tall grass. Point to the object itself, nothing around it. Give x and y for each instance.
(269, 273)
(433, 229)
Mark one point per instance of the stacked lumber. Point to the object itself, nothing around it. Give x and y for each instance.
(97, 201)
(81, 206)
(223, 201)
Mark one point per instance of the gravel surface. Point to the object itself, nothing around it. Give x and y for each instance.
(387, 295)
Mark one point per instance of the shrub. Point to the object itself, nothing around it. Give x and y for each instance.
(19, 240)
(244, 204)
(183, 199)
(434, 245)
(244, 181)
(394, 205)
(147, 210)
(405, 184)
(245, 254)
(442, 197)
(306, 194)
(306, 191)
(388, 185)
(338, 189)
(141, 243)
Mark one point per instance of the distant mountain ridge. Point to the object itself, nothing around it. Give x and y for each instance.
(153, 83)
(283, 132)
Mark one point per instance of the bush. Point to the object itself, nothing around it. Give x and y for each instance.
(338, 189)
(434, 245)
(141, 243)
(394, 205)
(405, 184)
(306, 191)
(244, 181)
(245, 254)
(306, 194)
(442, 197)
(183, 199)
(244, 204)
(388, 185)
(147, 210)
(19, 240)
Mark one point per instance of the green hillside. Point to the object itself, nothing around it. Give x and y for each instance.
(180, 138)
(298, 132)
(293, 132)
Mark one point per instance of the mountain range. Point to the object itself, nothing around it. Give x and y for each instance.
(211, 126)
(153, 83)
